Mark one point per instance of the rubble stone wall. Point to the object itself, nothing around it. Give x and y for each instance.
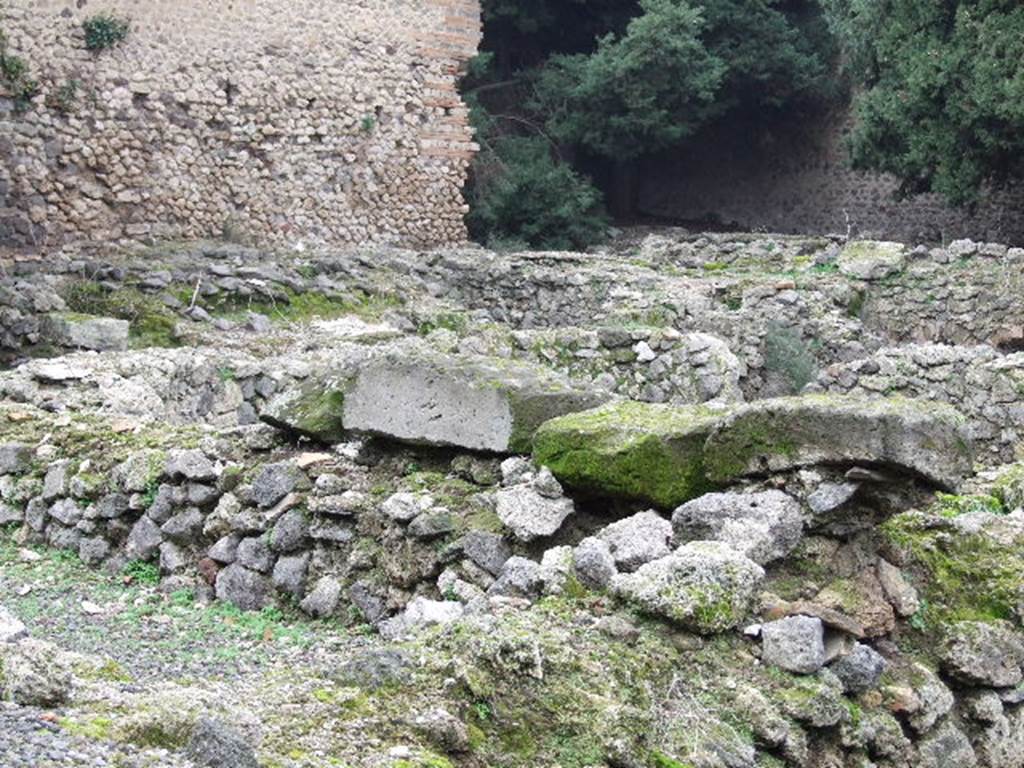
(298, 120)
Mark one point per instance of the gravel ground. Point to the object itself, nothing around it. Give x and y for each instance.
(29, 738)
(152, 635)
(143, 639)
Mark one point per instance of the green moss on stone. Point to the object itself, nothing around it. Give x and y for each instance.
(1009, 487)
(629, 449)
(961, 576)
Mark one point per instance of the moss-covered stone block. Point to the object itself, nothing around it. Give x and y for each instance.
(314, 410)
(967, 568)
(633, 450)
(927, 439)
(872, 259)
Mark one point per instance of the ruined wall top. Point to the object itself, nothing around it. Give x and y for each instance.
(300, 120)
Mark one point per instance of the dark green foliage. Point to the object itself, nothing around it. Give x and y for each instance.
(788, 356)
(599, 83)
(651, 87)
(15, 76)
(678, 66)
(522, 196)
(104, 30)
(943, 105)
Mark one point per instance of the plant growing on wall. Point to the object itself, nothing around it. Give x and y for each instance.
(64, 98)
(104, 30)
(15, 76)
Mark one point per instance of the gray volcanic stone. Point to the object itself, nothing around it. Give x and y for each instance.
(290, 531)
(290, 573)
(368, 599)
(487, 550)
(926, 438)
(61, 537)
(66, 512)
(871, 259)
(795, 643)
(143, 539)
(112, 506)
(764, 526)
(704, 586)
(946, 747)
(191, 464)
(322, 600)
(933, 699)
(431, 524)
(184, 527)
(594, 564)
(215, 744)
(34, 674)
(404, 506)
(860, 669)
(828, 497)
(141, 469)
(979, 653)
(243, 588)
(225, 550)
(637, 540)
(519, 577)
(255, 554)
(93, 551)
(15, 458)
(57, 479)
(471, 402)
(167, 499)
(275, 481)
(173, 558)
(9, 514)
(528, 514)
(420, 613)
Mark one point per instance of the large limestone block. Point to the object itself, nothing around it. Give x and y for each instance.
(633, 450)
(928, 439)
(668, 455)
(473, 402)
(99, 334)
(872, 259)
(479, 403)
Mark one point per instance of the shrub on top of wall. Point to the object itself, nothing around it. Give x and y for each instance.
(104, 30)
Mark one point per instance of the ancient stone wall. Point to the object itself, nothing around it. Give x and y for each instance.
(293, 120)
(797, 180)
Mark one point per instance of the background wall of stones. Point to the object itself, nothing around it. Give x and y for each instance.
(798, 181)
(286, 120)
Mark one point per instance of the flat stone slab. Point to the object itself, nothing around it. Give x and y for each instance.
(872, 259)
(100, 334)
(473, 402)
(668, 455)
(926, 438)
(479, 403)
